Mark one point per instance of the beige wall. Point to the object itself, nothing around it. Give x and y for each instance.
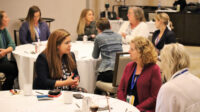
(65, 12)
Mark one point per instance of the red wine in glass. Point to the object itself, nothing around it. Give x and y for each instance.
(94, 108)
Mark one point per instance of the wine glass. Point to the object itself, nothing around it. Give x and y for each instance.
(94, 105)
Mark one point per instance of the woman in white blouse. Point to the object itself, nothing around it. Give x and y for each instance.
(135, 26)
(182, 91)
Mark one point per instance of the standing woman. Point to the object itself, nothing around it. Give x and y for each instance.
(9, 68)
(33, 28)
(56, 65)
(86, 25)
(141, 79)
(163, 35)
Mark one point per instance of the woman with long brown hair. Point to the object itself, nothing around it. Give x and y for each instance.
(33, 28)
(86, 25)
(56, 65)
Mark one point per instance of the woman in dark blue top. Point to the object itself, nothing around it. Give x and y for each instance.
(56, 65)
(163, 35)
(33, 29)
(8, 67)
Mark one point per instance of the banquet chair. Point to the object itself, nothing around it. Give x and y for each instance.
(16, 37)
(34, 71)
(120, 63)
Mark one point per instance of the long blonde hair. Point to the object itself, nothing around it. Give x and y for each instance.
(173, 58)
(30, 20)
(53, 57)
(146, 49)
(164, 17)
(82, 22)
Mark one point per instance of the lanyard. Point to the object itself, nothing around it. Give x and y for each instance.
(133, 78)
(180, 73)
(157, 40)
(37, 31)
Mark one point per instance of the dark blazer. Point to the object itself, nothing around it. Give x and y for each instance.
(89, 30)
(43, 79)
(148, 85)
(167, 38)
(25, 35)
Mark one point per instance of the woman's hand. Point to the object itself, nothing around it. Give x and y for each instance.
(69, 81)
(2, 53)
(75, 85)
(123, 35)
(93, 35)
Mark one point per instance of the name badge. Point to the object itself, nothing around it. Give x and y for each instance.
(130, 99)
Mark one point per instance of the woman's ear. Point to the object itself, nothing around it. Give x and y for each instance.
(99, 31)
(58, 47)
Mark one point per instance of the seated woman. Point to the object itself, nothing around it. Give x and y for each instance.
(163, 35)
(181, 93)
(108, 43)
(56, 65)
(86, 25)
(9, 68)
(141, 79)
(135, 26)
(33, 29)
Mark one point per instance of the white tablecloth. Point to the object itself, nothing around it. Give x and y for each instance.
(21, 103)
(86, 65)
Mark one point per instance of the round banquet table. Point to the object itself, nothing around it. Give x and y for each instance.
(21, 103)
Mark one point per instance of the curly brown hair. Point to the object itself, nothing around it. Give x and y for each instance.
(146, 49)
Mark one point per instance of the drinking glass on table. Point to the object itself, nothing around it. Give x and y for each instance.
(94, 105)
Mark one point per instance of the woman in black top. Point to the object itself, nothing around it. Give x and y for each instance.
(56, 65)
(86, 25)
(163, 35)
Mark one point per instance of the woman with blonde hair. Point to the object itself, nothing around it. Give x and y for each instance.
(86, 25)
(141, 79)
(56, 65)
(136, 25)
(181, 93)
(163, 35)
(33, 29)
